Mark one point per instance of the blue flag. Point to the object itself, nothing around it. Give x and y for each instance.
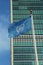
(20, 27)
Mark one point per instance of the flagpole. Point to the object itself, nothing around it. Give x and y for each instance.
(11, 39)
(34, 39)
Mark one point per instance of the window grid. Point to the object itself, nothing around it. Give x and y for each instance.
(24, 44)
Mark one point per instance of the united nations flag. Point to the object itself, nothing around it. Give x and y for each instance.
(20, 27)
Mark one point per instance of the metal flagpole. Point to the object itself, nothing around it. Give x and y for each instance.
(11, 40)
(34, 39)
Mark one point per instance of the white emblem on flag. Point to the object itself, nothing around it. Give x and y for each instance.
(20, 28)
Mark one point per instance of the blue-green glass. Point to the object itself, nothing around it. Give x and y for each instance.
(23, 47)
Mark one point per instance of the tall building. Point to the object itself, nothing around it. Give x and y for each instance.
(22, 49)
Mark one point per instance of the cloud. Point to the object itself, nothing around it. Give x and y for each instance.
(4, 21)
(5, 58)
(4, 40)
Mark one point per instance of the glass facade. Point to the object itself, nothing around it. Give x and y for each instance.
(23, 46)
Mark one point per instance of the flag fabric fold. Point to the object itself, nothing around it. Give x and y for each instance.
(20, 27)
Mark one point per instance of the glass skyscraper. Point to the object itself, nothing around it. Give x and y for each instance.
(23, 46)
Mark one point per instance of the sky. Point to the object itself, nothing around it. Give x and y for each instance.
(4, 39)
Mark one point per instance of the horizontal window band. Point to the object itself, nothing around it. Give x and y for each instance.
(29, 4)
(22, 18)
(41, 29)
(25, 60)
(27, 43)
(28, 8)
(27, 1)
(26, 54)
(40, 15)
(32, 2)
(26, 51)
(32, 10)
(29, 37)
(28, 14)
(27, 46)
(36, 23)
(28, 11)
